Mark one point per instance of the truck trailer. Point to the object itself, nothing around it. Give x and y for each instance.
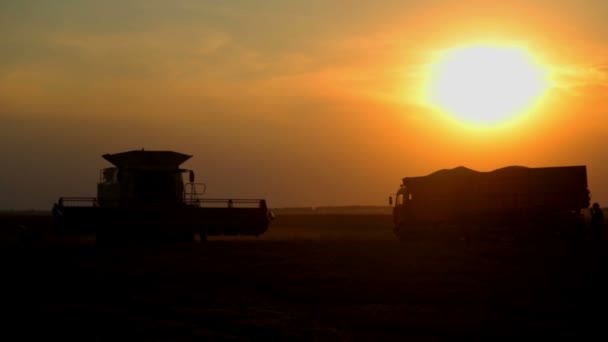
(517, 198)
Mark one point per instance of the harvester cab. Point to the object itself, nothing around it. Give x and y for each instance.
(145, 179)
(144, 193)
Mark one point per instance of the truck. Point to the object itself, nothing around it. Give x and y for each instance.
(147, 196)
(513, 200)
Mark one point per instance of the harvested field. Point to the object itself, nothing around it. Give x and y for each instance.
(310, 278)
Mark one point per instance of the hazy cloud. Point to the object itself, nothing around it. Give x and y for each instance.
(576, 78)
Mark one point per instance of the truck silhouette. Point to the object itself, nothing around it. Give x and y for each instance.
(144, 197)
(517, 198)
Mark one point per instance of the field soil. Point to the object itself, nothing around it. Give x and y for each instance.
(331, 277)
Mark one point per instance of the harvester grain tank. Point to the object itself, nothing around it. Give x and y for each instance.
(514, 196)
(144, 196)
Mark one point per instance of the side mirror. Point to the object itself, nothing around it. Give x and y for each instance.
(390, 200)
(191, 176)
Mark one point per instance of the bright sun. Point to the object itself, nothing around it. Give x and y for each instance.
(485, 85)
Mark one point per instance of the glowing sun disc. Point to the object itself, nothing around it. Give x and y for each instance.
(485, 85)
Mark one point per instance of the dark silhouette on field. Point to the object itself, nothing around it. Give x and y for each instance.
(143, 198)
(323, 274)
(527, 200)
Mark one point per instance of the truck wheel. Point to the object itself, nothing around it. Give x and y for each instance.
(399, 231)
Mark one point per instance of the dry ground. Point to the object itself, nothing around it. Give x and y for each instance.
(310, 278)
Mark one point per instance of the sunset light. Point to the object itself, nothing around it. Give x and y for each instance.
(485, 85)
(344, 99)
(311, 170)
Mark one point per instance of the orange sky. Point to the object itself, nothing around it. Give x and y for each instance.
(304, 104)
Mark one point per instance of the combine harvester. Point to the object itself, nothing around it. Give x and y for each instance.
(515, 200)
(144, 198)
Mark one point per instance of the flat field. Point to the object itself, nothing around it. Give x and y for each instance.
(331, 277)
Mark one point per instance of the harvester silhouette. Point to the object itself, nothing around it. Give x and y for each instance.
(144, 197)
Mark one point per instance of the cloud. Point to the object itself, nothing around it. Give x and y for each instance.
(575, 79)
(180, 66)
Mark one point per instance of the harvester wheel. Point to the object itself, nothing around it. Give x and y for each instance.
(102, 240)
(200, 237)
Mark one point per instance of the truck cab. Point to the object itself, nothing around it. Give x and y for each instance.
(402, 206)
